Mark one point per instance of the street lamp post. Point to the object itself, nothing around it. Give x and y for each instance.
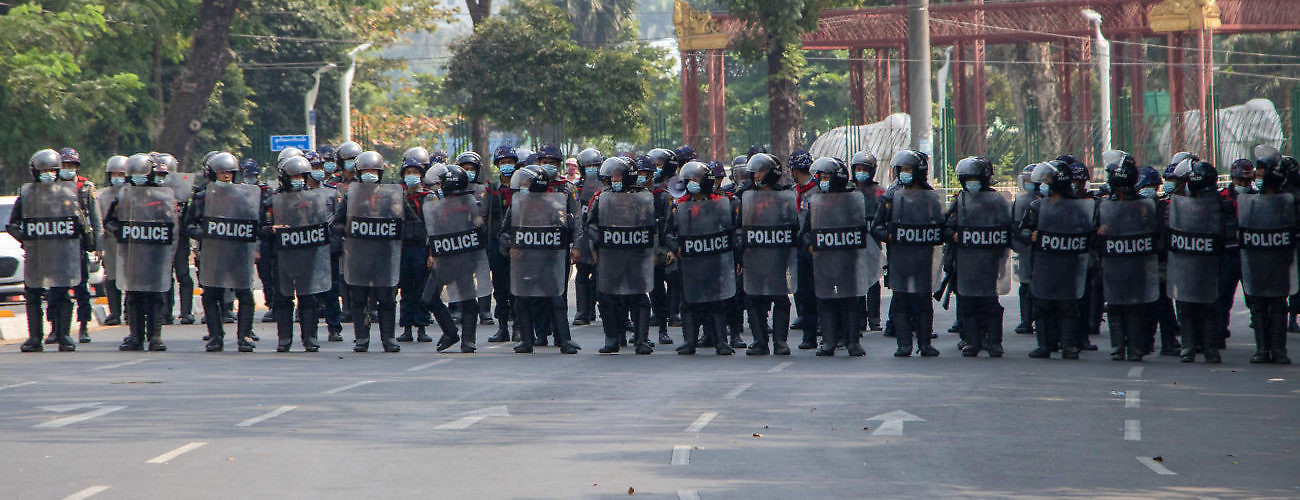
(346, 83)
(311, 104)
(1103, 76)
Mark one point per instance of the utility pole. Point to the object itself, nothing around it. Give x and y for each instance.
(918, 71)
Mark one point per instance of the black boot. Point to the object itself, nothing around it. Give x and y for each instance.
(83, 335)
(1262, 339)
(1277, 349)
(155, 335)
(448, 339)
(1044, 349)
(690, 335)
(854, 344)
(421, 336)
(923, 345)
(830, 340)
(336, 333)
(406, 335)
(503, 333)
(469, 334)
(63, 333)
(360, 329)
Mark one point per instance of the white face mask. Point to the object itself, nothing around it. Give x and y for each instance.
(67, 174)
(297, 184)
(973, 186)
(370, 177)
(47, 177)
(117, 181)
(411, 180)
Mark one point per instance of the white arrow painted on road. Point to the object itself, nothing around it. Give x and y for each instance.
(893, 422)
(474, 417)
(99, 411)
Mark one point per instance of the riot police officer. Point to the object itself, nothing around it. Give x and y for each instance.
(584, 284)
(1020, 257)
(49, 223)
(1241, 175)
(494, 208)
(369, 220)
(910, 222)
(415, 250)
(1267, 222)
(1128, 242)
(225, 218)
(863, 168)
(845, 260)
(621, 228)
(805, 299)
(479, 184)
(345, 159)
(539, 226)
(1198, 222)
(144, 219)
(768, 253)
(182, 186)
(701, 229)
(319, 179)
(456, 254)
(115, 173)
(665, 297)
(979, 229)
(71, 162)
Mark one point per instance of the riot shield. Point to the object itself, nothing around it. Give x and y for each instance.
(1195, 248)
(147, 239)
(302, 249)
(846, 261)
(537, 265)
(456, 242)
(769, 225)
(51, 243)
(584, 193)
(1060, 257)
(983, 236)
(372, 244)
(229, 226)
(706, 261)
(1020, 251)
(625, 243)
(108, 244)
(1127, 233)
(916, 232)
(181, 184)
(1266, 225)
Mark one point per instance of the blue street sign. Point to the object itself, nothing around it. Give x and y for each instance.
(279, 142)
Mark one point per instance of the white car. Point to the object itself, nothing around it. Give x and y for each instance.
(11, 257)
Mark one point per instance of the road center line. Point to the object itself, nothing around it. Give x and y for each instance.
(66, 421)
(14, 386)
(781, 366)
(735, 393)
(119, 365)
(1156, 467)
(353, 385)
(681, 455)
(688, 495)
(1136, 371)
(1132, 399)
(266, 416)
(86, 493)
(1132, 430)
(704, 420)
(166, 457)
(430, 364)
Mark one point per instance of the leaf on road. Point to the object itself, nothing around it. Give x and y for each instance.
(757, 435)
(1158, 459)
(631, 490)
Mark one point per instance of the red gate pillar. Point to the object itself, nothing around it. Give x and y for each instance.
(883, 84)
(978, 98)
(902, 78)
(1088, 129)
(717, 105)
(1176, 142)
(1140, 127)
(690, 97)
(857, 87)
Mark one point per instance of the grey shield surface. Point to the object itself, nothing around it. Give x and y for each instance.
(302, 250)
(1127, 232)
(1266, 225)
(590, 185)
(914, 265)
(625, 243)
(51, 244)
(108, 244)
(769, 228)
(229, 226)
(1192, 269)
(846, 261)
(983, 236)
(1060, 257)
(537, 263)
(181, 184)
(456, 242)
(707, 263)
(146, 243)
(1020, 263)
(372, 245)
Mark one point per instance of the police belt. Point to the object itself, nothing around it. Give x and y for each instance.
(1266, 239)
(625, 237)
(444, 245)
(146, 233)
(300, 237)
(221, 228)
(539, 238)
(1062, 243)
(770, 236)
(1130, 245)
(840, 238)
(918, 234)
(984, 237)
(49, 228)
(375, 228)
(706, 244)
(1194, 243)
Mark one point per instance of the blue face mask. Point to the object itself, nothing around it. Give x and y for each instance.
(67, 174)
(616, 186)
(1259, 184)
(507, 169)
(139, 180)
(824, 185)
(1044, 189)
(47, 177)
(659, 172)
(158, 181)
(297, 184)
(640, 181)
(369, 177)
(550, 170)
(318, 175)
(1147, 192)
(1241, 189)
(411, 180)
(973, 186)
(591, 171)
(905, 177)
(471, 175)
(1168, 187)
(330, 167)
(438, 192)
(1028, 187)
(349, 165)
(117, 181)
(693, 187)
(861, 176)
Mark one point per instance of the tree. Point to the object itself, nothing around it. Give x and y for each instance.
(191, 90)
(772, 32)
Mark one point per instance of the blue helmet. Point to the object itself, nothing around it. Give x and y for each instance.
(1147, 177)
(504, 153)
(249, 168)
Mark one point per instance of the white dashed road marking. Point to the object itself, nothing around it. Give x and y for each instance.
(353, 385)
(166, 457)
(681, 455)
(781, 366)
(1156, 467)
(266, 416)
(735, 393)
(704, 420)
(86, 493)
(1132, 430)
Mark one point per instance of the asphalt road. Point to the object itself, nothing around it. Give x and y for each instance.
(189, 424)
